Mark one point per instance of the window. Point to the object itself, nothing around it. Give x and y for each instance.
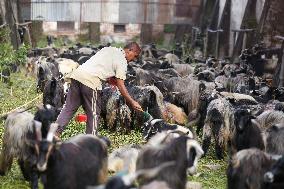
(119, 28)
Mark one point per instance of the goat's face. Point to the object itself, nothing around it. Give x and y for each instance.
(276, 174)
(46, 115)
(242, 119)
(279, 94)
(44, 150)
(53, 93)
(194, 152)
(152, 127)
(148, 130)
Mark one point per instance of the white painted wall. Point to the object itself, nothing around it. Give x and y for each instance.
(237, 13)
(49, 27)
(259, 8)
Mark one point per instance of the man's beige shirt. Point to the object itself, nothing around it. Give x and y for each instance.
(108, 62)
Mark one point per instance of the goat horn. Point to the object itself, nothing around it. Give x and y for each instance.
(37, 126)
(154, 121)
(276, 157)
(51, 132)
(146, 173)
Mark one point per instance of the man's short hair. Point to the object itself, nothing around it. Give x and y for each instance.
(133, 46)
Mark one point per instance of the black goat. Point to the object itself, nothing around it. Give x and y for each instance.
(53, 93)
(247, 133)
(77, 163)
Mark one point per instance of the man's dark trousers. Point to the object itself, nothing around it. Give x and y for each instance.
(80, 94)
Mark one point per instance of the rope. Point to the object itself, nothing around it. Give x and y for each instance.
(5, 114)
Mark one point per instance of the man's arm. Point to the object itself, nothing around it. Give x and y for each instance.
(120, 85)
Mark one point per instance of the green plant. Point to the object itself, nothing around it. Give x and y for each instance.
(6, 49)
(21, 54)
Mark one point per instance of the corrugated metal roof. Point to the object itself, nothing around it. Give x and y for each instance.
(110, 11)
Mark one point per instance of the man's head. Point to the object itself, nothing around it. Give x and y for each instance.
(132, 51)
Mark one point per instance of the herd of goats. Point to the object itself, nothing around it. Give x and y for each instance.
(230, 104)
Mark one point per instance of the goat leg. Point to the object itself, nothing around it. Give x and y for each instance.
(206, 138)
(5, 161)
(25, 168)
(34, 178)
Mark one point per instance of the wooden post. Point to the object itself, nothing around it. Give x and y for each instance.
(206, 43)
(281, 73)
(10, 18)
(194, 31)
(26, 26)
(217, 40)
(245, 31)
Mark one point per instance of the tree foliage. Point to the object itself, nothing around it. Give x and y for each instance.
(8, 55)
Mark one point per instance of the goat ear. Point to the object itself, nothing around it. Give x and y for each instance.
(105, 140)
(51, 132)
(37, 126)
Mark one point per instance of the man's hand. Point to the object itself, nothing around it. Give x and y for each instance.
(136, 106)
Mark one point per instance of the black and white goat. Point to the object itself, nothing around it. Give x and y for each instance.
(126, 181)
(124, 159)
(273, 138)
(150, 98)
(46, 70)
(182, 150)
(274, 177)
(76, 163)
(247, 167)
(21, 127)
(154, 126)
(219, 123)
(269, 118)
